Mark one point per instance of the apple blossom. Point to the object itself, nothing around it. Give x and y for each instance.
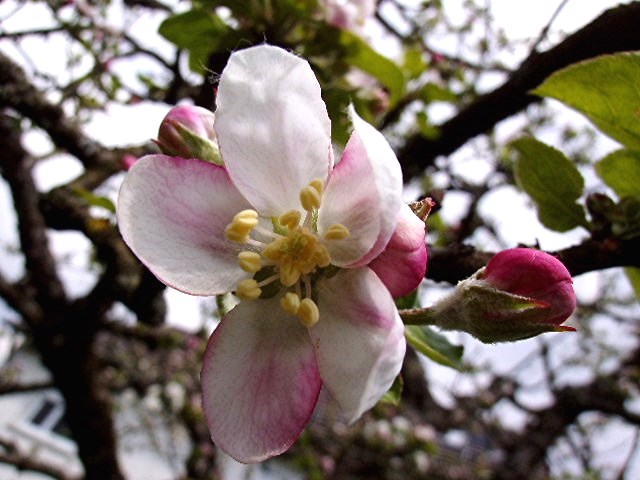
(187, 132)
(522, 292)
(292, 236)
(348, 14)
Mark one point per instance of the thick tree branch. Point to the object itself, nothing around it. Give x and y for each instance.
(64, 335)
(18, 93)
(40, 264)
(457, 262)
(613, 31)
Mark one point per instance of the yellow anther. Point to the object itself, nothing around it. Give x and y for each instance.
(240, 228)
(310, 198)
(289, 273)
(246, 214)
(237, 235)
(318, 185)
(245, 219)
(290, 303)
(250, 261)
(308, 312)
(291, 219)
(248, 289)
(322, 256)
(275, 250)
(337, 231)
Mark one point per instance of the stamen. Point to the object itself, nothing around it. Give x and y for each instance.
(322, 256)
(267, 233)
(250, 261)
(240, 228)
(310, 198)
(337, 231)
(318, 185)
(236, 236)
(291, 219)
(269, 280)
(248, 289)
(308, 312)
(276, 249)
(290, 303)
(289, 273)
(248, 218)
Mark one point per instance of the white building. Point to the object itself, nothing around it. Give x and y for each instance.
(32, 423)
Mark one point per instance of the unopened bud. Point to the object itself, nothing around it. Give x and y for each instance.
(521, 293)
(187, 132)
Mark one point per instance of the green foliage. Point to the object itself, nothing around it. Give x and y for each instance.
(606, 90)
(414, 64)
(432, 92)
(621, 171)
(394, 394)
(633, 274)
(359, 54)
(434, 346)
(95, 200)
(552, 181)
(201, 32)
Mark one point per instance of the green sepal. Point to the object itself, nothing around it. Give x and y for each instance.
(394, 394)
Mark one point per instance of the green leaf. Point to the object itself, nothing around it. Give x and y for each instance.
(634, 277)
(621, 171)
(626, 218)
(414, 63)
(201, 32)
(432, 92)
(95, 200)
(552, 181)
(606, 90)
(359, 54)
(434, 346)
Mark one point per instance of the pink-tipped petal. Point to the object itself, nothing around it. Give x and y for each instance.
(359, 339)
(172, 213)
(260, 381)
(402, 265)
(364, 193)
(273, 127)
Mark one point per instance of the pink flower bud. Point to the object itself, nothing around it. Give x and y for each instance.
(402, 265)
(128, 160)
(521, 293)
(348, 14)
(187, 132)
(537, 275)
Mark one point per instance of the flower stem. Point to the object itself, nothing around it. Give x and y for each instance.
(419, 316)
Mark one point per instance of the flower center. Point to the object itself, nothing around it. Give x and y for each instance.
(292, 256)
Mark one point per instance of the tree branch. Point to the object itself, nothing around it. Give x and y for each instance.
(613, 31)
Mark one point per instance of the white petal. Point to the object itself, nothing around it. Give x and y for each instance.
(364, 193)
(273, 127)
(260, 381)
(172, 213)
(359, 339)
